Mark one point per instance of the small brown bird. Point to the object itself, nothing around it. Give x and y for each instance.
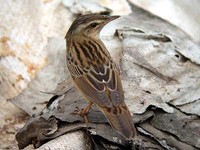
(95, 74)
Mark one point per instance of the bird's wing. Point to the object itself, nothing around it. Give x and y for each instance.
(100, 85)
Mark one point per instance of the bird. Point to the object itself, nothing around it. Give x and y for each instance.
(95, 74)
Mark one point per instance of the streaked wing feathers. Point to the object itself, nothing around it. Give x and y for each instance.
(100, 85)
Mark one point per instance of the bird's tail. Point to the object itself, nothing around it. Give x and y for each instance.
(120, 119)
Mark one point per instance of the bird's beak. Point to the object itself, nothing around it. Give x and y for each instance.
(111, 18)
(107, 20)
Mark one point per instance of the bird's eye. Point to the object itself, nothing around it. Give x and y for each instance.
(94, 24)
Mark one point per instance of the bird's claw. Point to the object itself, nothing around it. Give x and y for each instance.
(83, 112)
(80, 112)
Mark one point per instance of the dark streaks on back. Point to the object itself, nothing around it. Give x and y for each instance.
(77, 49)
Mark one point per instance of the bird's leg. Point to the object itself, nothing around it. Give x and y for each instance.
(84, 112)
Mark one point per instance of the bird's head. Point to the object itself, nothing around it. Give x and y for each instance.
(89, 25)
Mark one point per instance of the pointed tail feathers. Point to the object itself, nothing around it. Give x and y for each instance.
(120, 119)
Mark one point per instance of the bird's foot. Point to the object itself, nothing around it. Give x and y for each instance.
(83, 112)
(80, 112)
